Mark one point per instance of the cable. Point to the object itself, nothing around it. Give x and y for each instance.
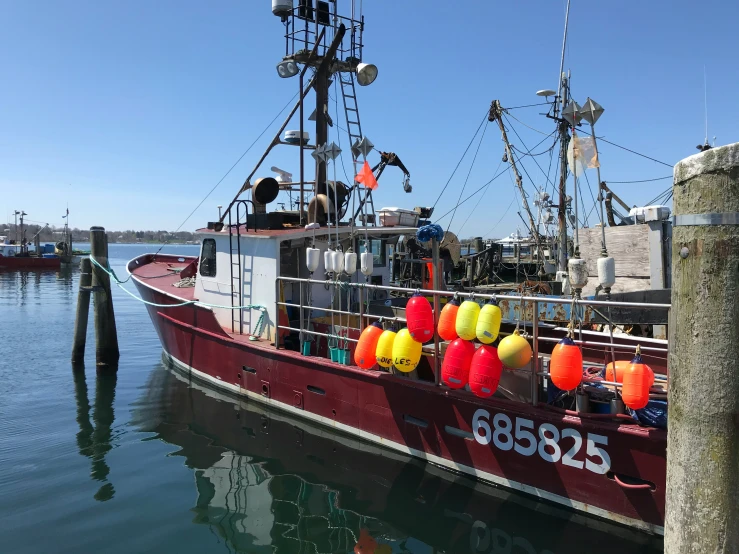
(459, 233)
(525, 125)
(471, 195)
(527, 148)
(232, 168)
(484, 119)
(601, 139)
(474, 158)
(501, 217)
(642, 180)
(529, 106)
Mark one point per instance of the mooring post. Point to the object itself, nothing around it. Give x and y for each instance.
(106, 337)
(83, 309)
(702, 512)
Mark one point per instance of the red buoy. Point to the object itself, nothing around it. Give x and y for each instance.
(420, 318)
(485, 371)
(447, 327)
(455, 369)
(565, 367)
(638, 379)
(364, 353)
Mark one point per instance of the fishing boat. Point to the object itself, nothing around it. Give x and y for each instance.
(274, 310)
(265, 479)
(15, 254)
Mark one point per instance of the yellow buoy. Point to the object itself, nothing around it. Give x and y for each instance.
(467, 319)
(514, 351)
(488, 323)
(384, 351)
(406, 351)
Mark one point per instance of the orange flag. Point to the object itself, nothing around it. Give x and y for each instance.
(366, 177)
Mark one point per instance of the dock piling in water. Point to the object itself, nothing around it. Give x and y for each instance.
(702, 511)
(83, 309)
(106, 337)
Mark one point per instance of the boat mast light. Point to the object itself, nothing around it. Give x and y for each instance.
(366, 74)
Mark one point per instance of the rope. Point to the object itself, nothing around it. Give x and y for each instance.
(258, 327)
(231, 169)
(464, 186)
(484, 119)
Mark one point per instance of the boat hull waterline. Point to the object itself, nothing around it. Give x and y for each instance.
(554, 456)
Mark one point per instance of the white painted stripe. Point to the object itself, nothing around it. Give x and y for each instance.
(444, 462)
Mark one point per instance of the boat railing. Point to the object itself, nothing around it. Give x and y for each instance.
(539, 364)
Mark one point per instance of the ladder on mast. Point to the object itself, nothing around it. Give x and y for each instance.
(354, 129)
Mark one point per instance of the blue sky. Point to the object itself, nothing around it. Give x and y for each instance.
(132, 111)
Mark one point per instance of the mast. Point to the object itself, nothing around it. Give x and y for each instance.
(561, 100)
(562, 208)
(496, 114)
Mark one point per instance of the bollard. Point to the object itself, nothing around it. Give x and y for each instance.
(106, 338)
(83, 309)
(702, 511)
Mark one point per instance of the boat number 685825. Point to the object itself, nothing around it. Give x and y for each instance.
(521, 437)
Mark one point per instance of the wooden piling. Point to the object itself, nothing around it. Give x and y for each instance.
(83, 309)
(106, 337)
(702, 512)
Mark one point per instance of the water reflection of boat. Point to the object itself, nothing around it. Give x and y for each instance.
(267, 482)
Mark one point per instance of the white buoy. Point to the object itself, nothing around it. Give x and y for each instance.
(578, 272)
(312, 258)
(606, 272)
(367, 263)
(328, 261)
(350, 262)
(338, 256)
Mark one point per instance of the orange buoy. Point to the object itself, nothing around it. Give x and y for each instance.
(485, 371)
(617, 376)
(455, 369)
(514, 351)
(447, 327)
(365, 352)
(420, 318)
(565, 367)
(638, 379)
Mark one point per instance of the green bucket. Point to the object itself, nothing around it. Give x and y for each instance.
(334, 353)
(306, 348)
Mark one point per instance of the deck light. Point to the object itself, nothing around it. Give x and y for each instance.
(366, 74)
(287, 68)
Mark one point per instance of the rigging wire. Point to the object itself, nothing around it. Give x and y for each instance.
(601, 139)
(528, 106)
(642, 180)
(525, 125)
(474, 158)
(501, 217)
(459, 233)
(484, 119)
(232, 167)
(524, 145)
(471, 195)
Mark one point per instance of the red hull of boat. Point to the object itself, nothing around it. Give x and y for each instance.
(554, 456)
(28, 263)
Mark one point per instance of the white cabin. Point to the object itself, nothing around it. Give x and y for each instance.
(257, 258)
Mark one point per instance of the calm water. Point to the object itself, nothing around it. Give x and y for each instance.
(146, 462)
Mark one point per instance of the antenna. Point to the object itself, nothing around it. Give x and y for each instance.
(705, 101)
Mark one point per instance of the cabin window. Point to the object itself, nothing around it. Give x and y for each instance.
(377, 247)
(208, 258)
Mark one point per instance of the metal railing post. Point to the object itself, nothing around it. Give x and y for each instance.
(277, 312)
(301, 316)
(535, 358)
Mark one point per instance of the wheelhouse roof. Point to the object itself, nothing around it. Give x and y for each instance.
(300, 232)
